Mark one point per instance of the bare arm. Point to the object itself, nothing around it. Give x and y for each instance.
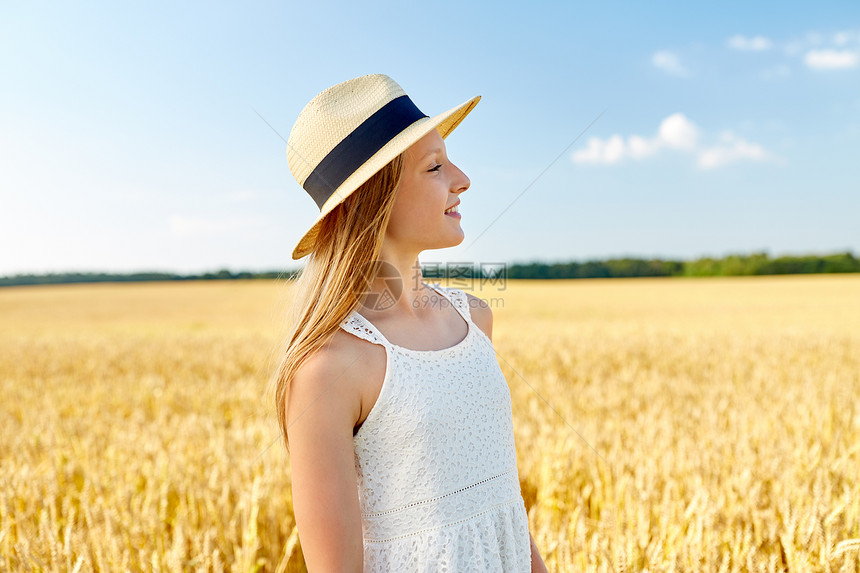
(322, 409)
(538, 565)
(482, 315)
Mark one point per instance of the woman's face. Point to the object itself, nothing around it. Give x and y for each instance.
(430, 184)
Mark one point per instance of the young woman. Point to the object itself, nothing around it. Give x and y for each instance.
(393, 407)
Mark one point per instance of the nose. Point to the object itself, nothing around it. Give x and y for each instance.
(460, 181)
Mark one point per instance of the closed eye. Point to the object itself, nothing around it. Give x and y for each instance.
(435, 168)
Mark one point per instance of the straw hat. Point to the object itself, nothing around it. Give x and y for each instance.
(349, 132)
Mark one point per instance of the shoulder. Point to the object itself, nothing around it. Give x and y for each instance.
(331, 356)
(327, 387)
(481, 313)
(343, 356)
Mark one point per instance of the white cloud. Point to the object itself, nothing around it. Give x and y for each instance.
(831, 59)
(754, 44)
(678, 132)
(598, 151)
(613, 151)
(732, 149)
(817, 41)
(670, 63)
(675, 132)
(640, 147)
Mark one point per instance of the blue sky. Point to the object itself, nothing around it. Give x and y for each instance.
(130, 140)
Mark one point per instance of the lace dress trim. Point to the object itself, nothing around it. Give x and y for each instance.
(358, 325)
(447, 509)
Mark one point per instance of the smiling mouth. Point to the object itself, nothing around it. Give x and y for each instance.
(453, 209)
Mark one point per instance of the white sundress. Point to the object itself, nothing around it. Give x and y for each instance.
(435, 459)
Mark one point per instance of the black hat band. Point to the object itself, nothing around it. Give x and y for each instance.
(359, 146)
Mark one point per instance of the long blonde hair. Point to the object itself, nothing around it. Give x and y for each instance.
(327, 289)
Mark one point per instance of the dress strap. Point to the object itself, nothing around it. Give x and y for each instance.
(358, 325)
(458, 299)
(364, 329)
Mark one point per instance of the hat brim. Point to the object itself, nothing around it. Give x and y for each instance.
(444, 123)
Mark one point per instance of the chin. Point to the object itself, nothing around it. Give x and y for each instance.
(446, 244)
(456, 242)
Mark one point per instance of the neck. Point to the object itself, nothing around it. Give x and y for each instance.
(398, 288)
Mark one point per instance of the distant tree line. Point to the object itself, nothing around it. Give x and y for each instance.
(66, 278)
(731, 265)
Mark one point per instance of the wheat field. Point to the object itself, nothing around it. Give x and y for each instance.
(661, 424)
